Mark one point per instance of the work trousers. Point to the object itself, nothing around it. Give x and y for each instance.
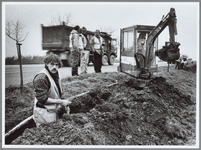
(75, 62)
(140, 61)
(97, 62)
(84, 61)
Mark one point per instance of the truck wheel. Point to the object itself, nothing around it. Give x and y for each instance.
(69, 61)
(111, 60)
(104, 60)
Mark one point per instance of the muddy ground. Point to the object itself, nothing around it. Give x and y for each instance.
(161, 113)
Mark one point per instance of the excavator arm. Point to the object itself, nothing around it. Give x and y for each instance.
(169, 52)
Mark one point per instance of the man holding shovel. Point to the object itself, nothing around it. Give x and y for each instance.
(48, 105)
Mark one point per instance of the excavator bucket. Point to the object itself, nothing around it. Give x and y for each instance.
(169, 52)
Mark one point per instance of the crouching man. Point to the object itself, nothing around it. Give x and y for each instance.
(48, 104)
(180, 62)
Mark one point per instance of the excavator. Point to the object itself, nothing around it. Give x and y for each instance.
(139, 47)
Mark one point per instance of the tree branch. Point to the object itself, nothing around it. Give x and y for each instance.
(24, 37)
(59, 19)
(109, 30)
(11, 37)
(15, 30)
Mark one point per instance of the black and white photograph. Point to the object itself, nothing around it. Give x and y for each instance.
(100, 74)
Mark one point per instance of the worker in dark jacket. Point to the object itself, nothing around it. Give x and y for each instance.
(48, 104)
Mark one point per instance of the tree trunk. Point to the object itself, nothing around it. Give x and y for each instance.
(20, 62)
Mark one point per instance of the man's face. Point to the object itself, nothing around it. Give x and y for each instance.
(53, 67)
(80, 30)
(84, 31)
(97, 33)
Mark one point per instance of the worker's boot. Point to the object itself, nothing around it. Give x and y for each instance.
(75, 71)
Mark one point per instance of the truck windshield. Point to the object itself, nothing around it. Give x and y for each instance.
(114, 43)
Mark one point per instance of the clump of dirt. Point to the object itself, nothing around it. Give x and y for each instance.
(88, 101)
(191, 69)
(18, 106)
(75, 85)
(122, 114)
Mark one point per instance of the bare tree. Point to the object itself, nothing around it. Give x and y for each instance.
(15, 32)
(109, 30)
(59, 19)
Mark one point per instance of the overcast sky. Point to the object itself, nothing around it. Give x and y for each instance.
(96, 15)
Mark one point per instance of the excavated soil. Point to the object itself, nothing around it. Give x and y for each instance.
(161, 113)
(18, 106)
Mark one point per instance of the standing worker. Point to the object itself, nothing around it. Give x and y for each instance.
(81, 45)
(97, 43)
(85, 53)
(77, 45)
(48, 105)
(74, 41)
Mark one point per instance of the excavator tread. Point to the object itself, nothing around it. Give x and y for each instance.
(140, 83)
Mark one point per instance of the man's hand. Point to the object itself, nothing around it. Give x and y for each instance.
(92, 49)
(65, 102)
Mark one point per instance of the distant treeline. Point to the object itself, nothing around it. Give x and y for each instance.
(31, 60)
(25, 60)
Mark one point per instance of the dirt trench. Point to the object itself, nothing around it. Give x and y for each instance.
(158, 114)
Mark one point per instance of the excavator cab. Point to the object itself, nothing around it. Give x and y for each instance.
(139, 47)
(133, 50)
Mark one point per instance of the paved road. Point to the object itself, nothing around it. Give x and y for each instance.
(12, 72)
